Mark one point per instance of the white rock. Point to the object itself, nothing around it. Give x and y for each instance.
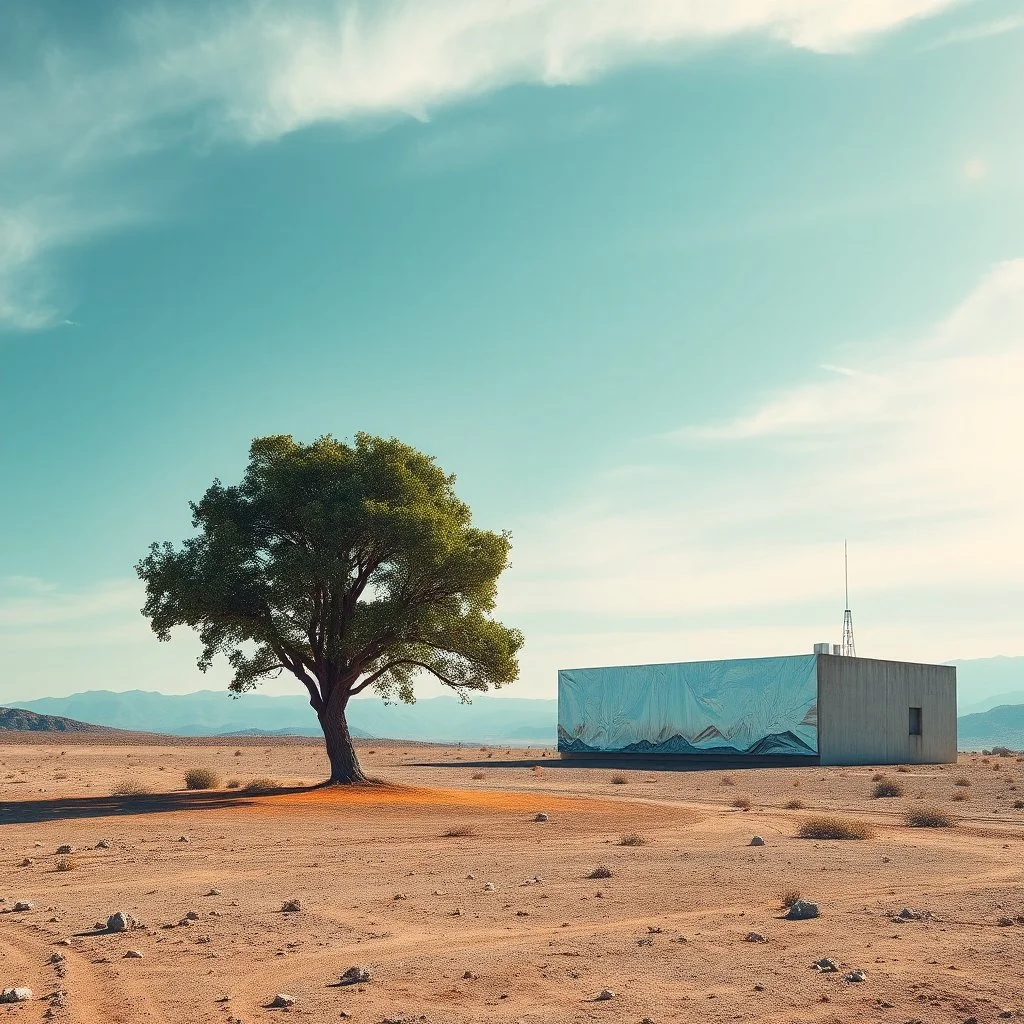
(282, 999)
(489, 887)
(15, 995)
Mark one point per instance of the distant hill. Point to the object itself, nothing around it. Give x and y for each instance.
(214, 713)
(18, 720)
(1002, 726)
(983, 683)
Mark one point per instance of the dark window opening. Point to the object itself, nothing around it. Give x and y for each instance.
(915, 721)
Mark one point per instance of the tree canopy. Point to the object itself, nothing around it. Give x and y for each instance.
(351, 566)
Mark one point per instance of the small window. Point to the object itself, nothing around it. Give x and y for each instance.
(915, 721)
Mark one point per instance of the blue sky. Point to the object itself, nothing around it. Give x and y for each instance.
(684, 294)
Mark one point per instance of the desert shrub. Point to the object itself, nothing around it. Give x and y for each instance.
(601, 871)
(201, 778)
(1018, 804)
(537, 769)
(962, 781)
(794, 805)
(479, 775)
(997, 767)
(234, 784)
(877, 777)
(928, 817)
(887, 787)
(65, 864)
(742, 803)
(633, 839)
(130, 788)
(831, 826)
(618, 780)
(238, 753)
(902, 769)
(458, 832)
(790, 896)
(727, 780)
(261, 785)
(959, 796)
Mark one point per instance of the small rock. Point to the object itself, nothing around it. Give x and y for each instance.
(132, 954)
(457, 912)
(756, 937)
(64, 942)
(65, 849)
(470, 877)
(855, 976)
(103, 845)
(540, 816)
(192, 915)
(15, 995)
(121, 922)
(802, 910)
(184, 839)
(826, 965)
(213, 892)
(282, 999)
(757, 841)
(27, 862)
(291, 906)
(759, 987)
(354, 976)
(469, 976)
(605, 993)
(488, 887)
(400, 896)
(23, 906)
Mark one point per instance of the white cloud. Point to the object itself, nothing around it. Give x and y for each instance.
(915, 457)
(253, 71)
(981, 30)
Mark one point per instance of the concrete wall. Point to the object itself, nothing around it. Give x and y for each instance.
(864, 711)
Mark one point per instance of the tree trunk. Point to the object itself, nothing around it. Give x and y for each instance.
(342, 755)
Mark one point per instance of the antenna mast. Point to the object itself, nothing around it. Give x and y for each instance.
(849, 649)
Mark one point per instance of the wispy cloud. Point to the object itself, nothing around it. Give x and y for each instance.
(981, 30)
(76, 122)
(915, 457)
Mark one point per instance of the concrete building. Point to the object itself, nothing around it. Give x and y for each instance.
(816, 708)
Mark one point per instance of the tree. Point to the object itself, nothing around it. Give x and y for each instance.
(349, 566)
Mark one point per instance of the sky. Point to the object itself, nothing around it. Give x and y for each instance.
(684, 293)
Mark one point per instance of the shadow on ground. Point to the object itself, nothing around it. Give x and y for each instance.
(24, 812)
(624, 762)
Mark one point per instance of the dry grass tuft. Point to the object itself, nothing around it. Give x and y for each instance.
(962, 781)
(478, 776)
(618, 780)
(887, 787)
(1018, 804)
(130, 788)
(633, 839)
(790, 896)
(831, 826)
(877, 777)
(234, 784)
(601, 871)
(794, 805)
(459, 832)
(727, 780)
(958, 797)
(928, 817)
(65, 864)
(260, 786)
(902, 768)
(742, 803)
(201, 778)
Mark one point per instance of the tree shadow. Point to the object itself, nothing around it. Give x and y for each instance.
(24, 812)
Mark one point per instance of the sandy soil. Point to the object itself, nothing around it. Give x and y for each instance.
(383, 886)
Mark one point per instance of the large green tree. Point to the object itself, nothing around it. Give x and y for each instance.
(351, 566)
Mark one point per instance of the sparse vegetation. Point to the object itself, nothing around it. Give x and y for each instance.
(790, 896)
(633, 839)
(459, 832)
(201, 778)
(261, 785)
(742, 803)
(1018, 804)
(928, 817)
(886, 788)
(65, 864)
(877, 777)
(234, 784)
(479, 775)
(902, 769)
(727, 780)
(794, 805)
(130, 788)
(959, 796)
(962, 781)
(601, 871)
(832, 826)
(618, 780)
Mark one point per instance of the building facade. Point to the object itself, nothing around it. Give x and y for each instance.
(813, 708)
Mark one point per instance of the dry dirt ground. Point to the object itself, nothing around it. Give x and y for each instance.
(499, 921)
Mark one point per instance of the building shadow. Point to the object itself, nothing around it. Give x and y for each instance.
(24, 812)
(642, 762)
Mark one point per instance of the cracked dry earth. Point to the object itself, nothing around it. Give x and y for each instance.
(666, 933)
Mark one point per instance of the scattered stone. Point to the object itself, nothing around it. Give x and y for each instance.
(65, 850)
(281, 1000)
(757, 841)
(540, 816)
(23, 906)
(605, 993)
(470, 877)
(64, 942)
(457, 912)
(103, 845)
(759, 987)
(400, 896)
(826, 965)
(469, 976)
(192, 915)
(27, 862)
(855, 976)
(488, 887)
(213, 892)
(121, 922)
(291, 906)
(354, 976)
(756, 937)
(908, 914)
(802, 910)
(132, 954)
(15, 995)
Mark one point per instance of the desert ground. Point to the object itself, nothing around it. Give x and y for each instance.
(462, 907)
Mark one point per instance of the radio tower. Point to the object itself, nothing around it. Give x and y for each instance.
(849, 649)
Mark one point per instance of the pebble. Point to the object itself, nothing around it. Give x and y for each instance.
(826, 965)
(756, 937)
(213, 892)
(65, 849)
(802, 910)
(354, 976)
(282, 999)
(103, 845)
(605, 993)
(540, 816)
(133, 954)
(120, 922)
(855, 976)
(23, 906)
(488, 887)
(757, 841)
(15, 995)
(184, 839)
(291, 906)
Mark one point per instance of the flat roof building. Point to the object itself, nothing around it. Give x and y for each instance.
(808, 708)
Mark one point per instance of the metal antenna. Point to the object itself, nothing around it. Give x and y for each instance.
(849, 649)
